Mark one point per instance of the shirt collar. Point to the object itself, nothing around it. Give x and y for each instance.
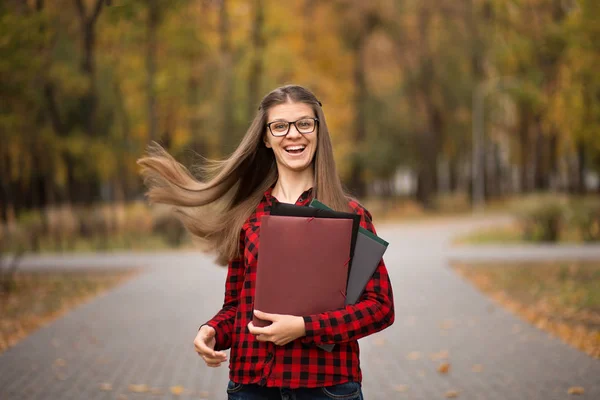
(303, 200)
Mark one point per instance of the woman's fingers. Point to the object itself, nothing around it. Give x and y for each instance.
(213, 365)
(263, 337)
(213, 356)
(209, 355)
(256, 330)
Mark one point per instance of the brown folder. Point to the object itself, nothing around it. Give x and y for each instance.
(302, 265)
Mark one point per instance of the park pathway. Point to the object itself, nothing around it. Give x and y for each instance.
(142, 331)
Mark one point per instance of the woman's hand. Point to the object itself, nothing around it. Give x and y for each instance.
(205, 345)
(284, 328)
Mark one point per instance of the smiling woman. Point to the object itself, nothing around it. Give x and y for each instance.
(285, 156)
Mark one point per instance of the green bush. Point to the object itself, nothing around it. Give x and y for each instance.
(584, 215)
(541, 217)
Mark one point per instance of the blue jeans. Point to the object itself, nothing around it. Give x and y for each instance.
(343, 391)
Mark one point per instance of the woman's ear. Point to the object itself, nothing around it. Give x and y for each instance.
(266, 142)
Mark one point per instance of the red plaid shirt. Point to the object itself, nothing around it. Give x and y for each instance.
(299, 363)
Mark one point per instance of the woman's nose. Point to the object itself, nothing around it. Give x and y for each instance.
(293, 131)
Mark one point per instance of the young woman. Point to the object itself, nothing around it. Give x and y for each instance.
(286, 156)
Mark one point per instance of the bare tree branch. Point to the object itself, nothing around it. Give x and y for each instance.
(80, 9)
(97, 9)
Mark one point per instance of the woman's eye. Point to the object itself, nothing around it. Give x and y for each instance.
(280, 126)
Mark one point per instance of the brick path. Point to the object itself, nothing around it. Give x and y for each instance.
(142, 332)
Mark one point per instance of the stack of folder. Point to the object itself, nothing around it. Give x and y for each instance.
(313, 260)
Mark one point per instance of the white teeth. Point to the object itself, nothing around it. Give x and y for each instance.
(295, 148)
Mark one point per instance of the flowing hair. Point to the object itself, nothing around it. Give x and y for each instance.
(215, 206)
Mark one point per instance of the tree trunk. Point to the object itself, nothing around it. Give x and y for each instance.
(581, 164)
(357, 184)
(227, 134)
(524, 148)
(309, 36)
(256, 68)
(6, 198)
(198, 143)
(151, 46)
(430, 138)
(88, 63)
(427, 170)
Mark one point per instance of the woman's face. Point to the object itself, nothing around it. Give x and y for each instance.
(294, 151)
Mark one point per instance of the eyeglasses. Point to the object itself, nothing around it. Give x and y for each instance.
(304, 126)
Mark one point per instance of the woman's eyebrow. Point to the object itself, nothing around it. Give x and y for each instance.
(285, 120)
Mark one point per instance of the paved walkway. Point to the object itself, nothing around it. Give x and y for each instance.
(142, 332)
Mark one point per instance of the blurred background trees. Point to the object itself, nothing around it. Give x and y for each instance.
(87, 84)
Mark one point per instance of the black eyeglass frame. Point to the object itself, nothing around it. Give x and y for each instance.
(290, 123)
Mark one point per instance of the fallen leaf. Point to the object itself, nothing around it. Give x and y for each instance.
(439, 356)
(477, 368)
(576, 390)
(447, 324)
(401, 388)
(138, 388)
(204, 394)
(107, 387)
(61, 376)
(414, 355)
(444, 368)
(156, 391)
(59, 362)
(450, 394)
(177, 390)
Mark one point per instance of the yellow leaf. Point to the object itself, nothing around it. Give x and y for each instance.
(451, 394)
(400, 388)
(177, 390)
(138, 388)
(439, 356)
(477, 368)
(204, 394)
(447, 324)
(444, 368)
(59, 362)
(414, 355)
(107, 387)
(576, 390)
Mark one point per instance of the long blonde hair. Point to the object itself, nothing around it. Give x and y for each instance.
(214, 207)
